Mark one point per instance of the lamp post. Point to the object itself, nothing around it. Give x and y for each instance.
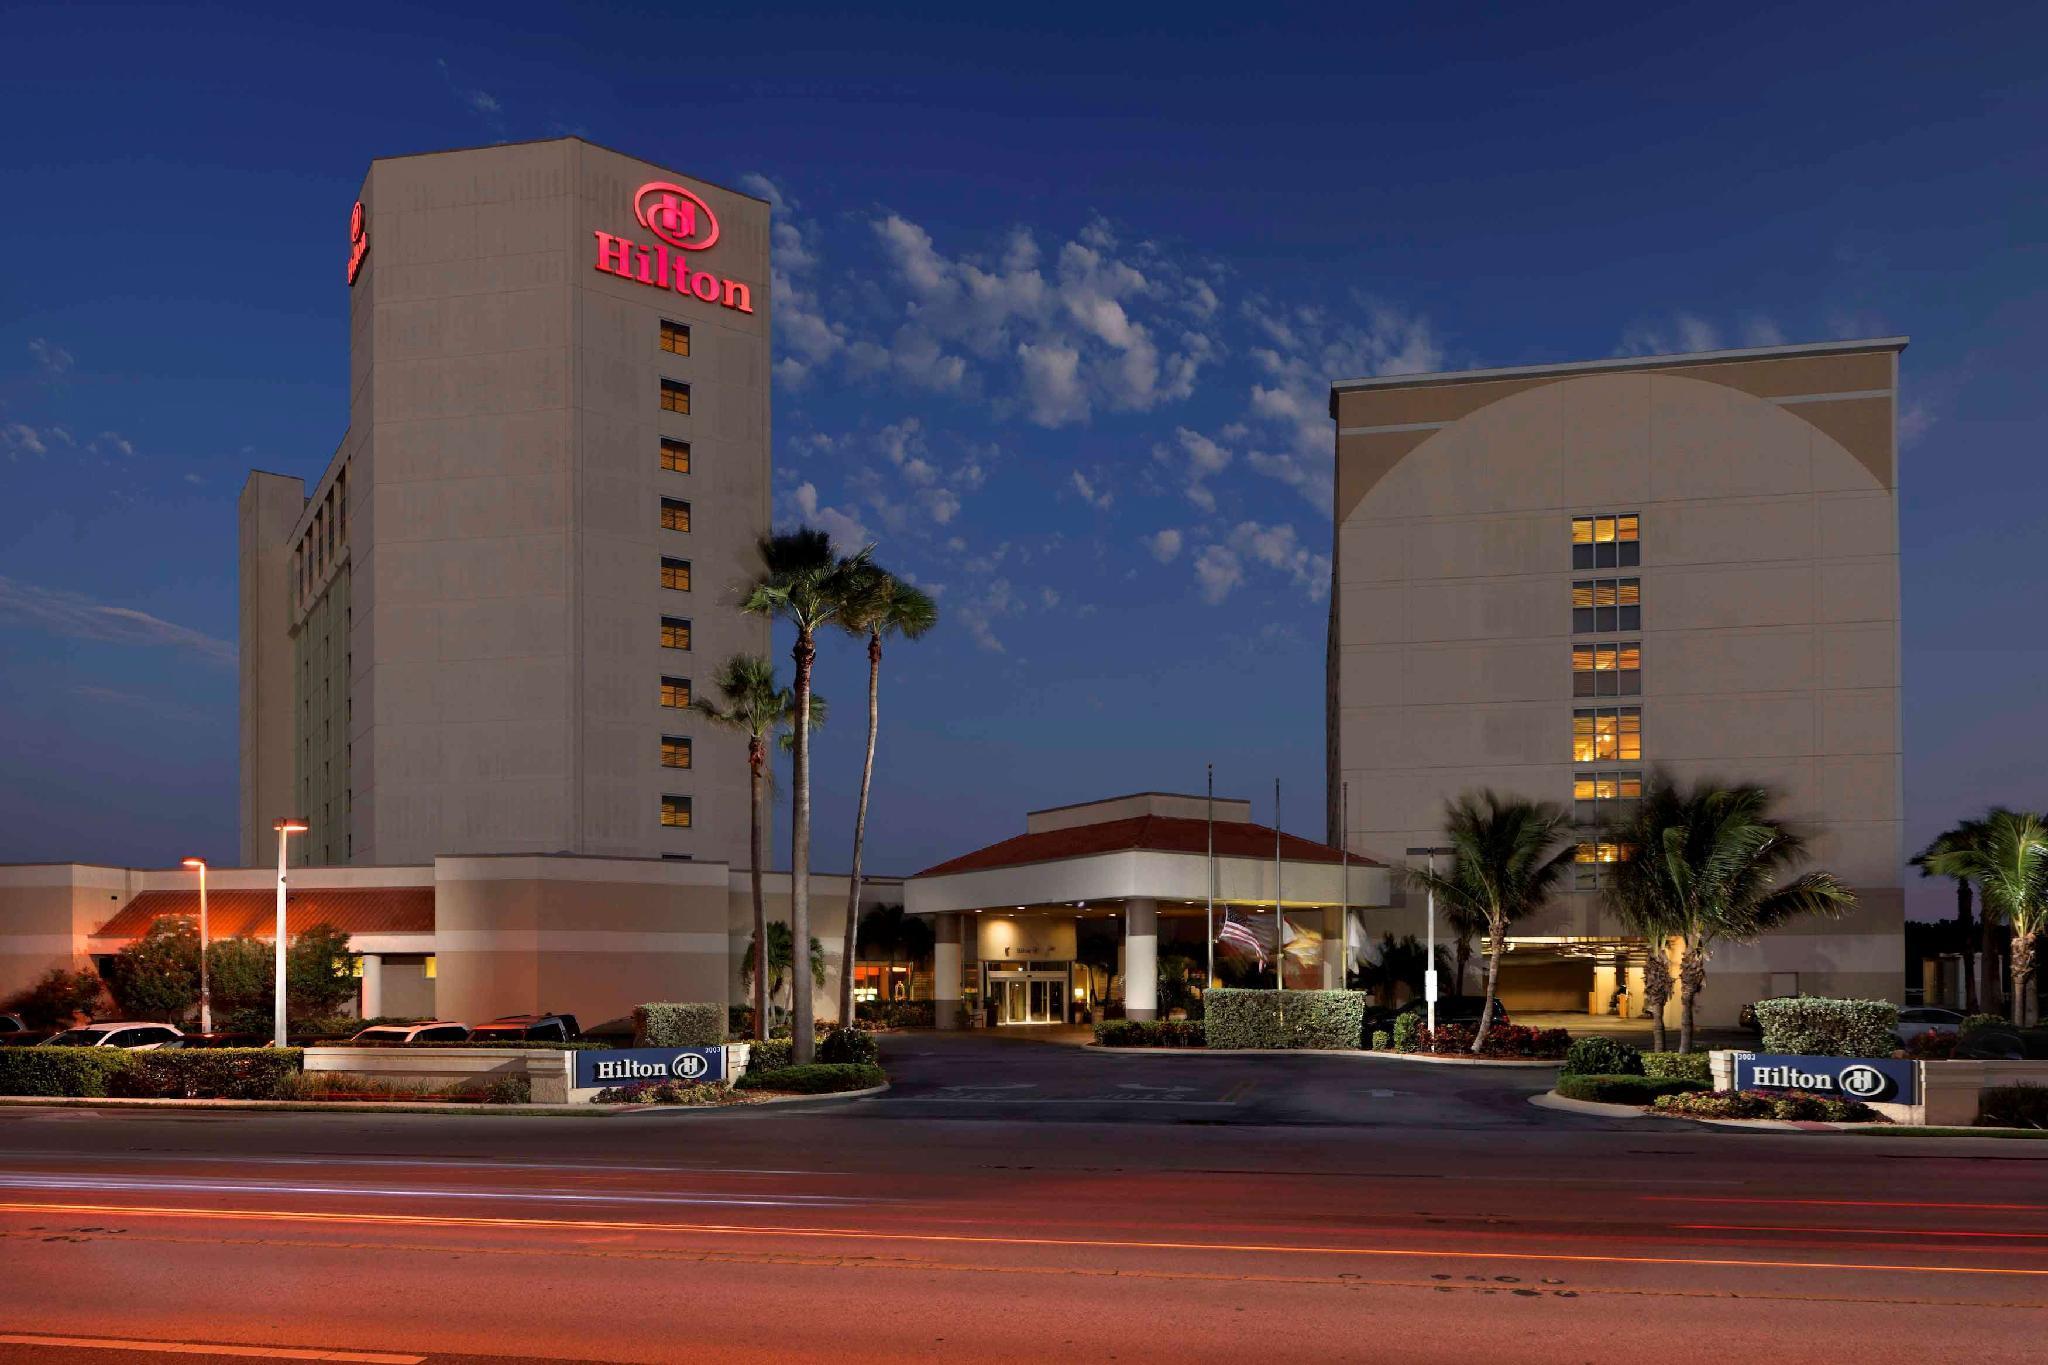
(285, 829)
(1429, 962)
(205, 996)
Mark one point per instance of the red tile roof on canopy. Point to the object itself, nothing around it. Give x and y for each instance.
(1147, 833)
(353, 910)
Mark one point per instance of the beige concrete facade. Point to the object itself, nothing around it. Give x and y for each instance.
(1768, 584)
(476, 587)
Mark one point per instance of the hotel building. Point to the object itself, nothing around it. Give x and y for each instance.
(1553, 580)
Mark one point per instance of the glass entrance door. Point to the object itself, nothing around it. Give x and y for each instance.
(1029, 997)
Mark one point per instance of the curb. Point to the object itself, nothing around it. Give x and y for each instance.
(442, 1107)
(629, 1110)
(1423, 1058)
(1550, 1099)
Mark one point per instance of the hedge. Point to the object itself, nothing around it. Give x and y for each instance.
(1766, 1104)
(225, 1073)
(1682, 1066)
(1623, 1089)
(1514, 1041)
(1407, 1032)
(764, 1055)
(1814, 1026)
(69, 1071)
(1597, 1056)
(818, 1078)
(678, 1025)
(1150, 1033)
(2013, 1106)
(848, 1045)
(1283, 1019)
(896, 1013)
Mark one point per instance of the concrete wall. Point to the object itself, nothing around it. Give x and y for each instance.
(265, 514)
(47, 912)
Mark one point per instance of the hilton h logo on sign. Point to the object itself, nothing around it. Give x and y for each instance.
(624, 1066)
(682, 222)
(1874, 1080)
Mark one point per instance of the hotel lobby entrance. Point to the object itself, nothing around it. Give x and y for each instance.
(1027, 993)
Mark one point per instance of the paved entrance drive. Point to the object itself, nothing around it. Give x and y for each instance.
(997, 1075)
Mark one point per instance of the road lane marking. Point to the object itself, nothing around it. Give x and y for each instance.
(1875, 1232)
(760, 1201)
(1840, 1203)
(1085, 1243)
(200, 1348)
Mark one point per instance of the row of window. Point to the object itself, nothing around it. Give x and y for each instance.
(1607, 734)
(1607, 541)
(675, 575)
(1608, 670)
(1603, 604)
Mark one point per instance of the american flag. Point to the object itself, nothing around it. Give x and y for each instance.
(1243, 935)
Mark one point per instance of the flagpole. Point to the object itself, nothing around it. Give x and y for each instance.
(1279, 915)
(1210, 981)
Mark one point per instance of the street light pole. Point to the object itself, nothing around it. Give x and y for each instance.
(205, 995)
(285, 829)
(1429, 991)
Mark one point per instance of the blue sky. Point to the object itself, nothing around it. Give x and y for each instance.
(1037, 272)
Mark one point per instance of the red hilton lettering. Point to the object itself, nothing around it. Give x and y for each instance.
(614, 255)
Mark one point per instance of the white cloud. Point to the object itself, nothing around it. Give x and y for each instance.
(1220, 567)
(1164, 545)
(1099, 499)
(941, 504)
(78, 617)
(18, 439)
(979, 613)
(51, 358)
(1218, 570)
(1052, 382)
(1914, 420)
(847, 532)
(1203, 458)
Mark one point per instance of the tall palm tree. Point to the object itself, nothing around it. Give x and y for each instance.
(878, 604)
(803, 582)
(1704, 865)
(1961, 837)
(751, 704)
(1509, 856)
(2009, 862)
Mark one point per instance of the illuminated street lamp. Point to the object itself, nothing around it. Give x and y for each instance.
(205, 996)
(285, 829)
(1429, 986)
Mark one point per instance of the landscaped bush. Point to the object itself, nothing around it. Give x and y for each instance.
(896, 1013)
(1971, 1023)
(508, 1090)
(1284, 1019)
(1622, 1089)
(1820, 1027)
(1152, 1033)
(848, 1045)
(1382, 1041)
(1684, 1066)
(1935, 1045)
(662, 1092)
(770, 1054)
(819, 1078)
(678, 1025)
(74, 1071)
(226, 1073)
(1597, 1056)
(1407, 1032)
(1503, 1041)
(2013, 1106)
(1799, 1105)
(58, 997)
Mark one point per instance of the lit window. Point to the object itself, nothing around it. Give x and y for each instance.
(675, 338)
(675, 514)
(1607, 670)
(675, 633)
(1598, 797)
(675, 692)
(1606, 541)
(675, 573)
(675, 751)
(1592, 857)
(675, 812)
(674, 397)
(1607, 734)
(675, 455)
(1607, 604)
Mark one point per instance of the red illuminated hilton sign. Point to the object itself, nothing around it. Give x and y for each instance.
(682, 223)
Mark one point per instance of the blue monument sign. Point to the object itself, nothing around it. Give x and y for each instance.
(1874, 1080)
(626, 1065)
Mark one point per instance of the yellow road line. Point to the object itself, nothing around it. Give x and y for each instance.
(201, 1348)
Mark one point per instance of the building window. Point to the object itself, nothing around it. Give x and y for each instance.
(675, 397)
(675, 692)
(1600, 797)
(1607, 604)
(1607, 541)
(675, 751)
(675, 337)
(675, 633)
(675, 455)
(675, 514)
(1591, 858)
(1607, 734)
(675, 573)
(675, 812)
(1614, 670)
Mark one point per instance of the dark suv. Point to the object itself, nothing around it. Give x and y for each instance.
(528, 1028)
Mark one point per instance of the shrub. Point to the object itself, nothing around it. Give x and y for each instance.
(818, 1078)
(1935, 1045)
(896, 1013)
(678, 1025)
(766, 1056)
(661, 1092)
(1797, 1105)
(2013, 1106)
(157, 976)
(226, 1073)
(59, 997)
(1382, 1041)
(1284, 1019)
(1407, 1032)
(344, 1085)
(1684, 1066)
(1971, 1023)
(848, 1045)
(1622, 1088)
(1510, 1041)
(1597, 1056)
(1151, 1033)
(73, 1071)
(509, 1090)
(1820, 1027)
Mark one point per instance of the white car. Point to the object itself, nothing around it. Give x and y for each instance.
(425, 1031)
(1928, 1019)
(136, 1037)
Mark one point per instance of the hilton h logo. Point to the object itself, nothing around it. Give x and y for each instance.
(675, 215)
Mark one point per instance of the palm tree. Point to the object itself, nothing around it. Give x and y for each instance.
(751, 704)
(879, 604)
(1962, 837)
(804, 583)
(1509, 856)
(781, 957)
(1704, 865)
(2009, 862)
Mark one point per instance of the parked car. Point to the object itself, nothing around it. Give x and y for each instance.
(1921, 1019)
(13, 1023)
(219, 1039)
(140, 1037)
(528, 1028)
(425, 1031)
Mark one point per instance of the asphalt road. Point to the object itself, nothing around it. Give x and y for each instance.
(1013, 1201)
